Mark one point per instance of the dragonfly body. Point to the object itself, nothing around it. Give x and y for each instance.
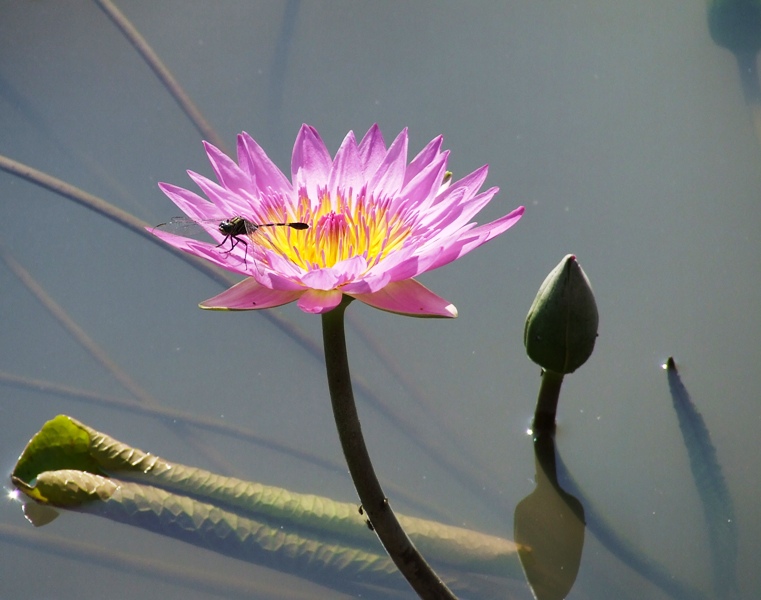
(233, 228)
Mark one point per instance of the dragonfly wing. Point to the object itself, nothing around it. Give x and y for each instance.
(187, 227)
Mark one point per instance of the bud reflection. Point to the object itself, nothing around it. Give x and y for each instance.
(549, 529)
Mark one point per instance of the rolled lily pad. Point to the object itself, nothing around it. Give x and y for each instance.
(72, 466)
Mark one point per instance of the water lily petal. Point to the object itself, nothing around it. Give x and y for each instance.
(475, 238)
(277, 281)
(249, 295)
(229, 204)
(455, 193)
(421, 190)
(368, 284)
(405, 269)
(401, 265)
(389, 177)
(346, 170)
(264, 173)
(221, 258)
(190, 203)
(332, 277)
(425, 157)
(229, 174)
(310, 163)
(280, 267)
(410, 298)
(458, 218)
(372, 151)
(324, 279)
(318, 301)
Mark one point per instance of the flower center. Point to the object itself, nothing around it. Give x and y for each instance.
(341, 227)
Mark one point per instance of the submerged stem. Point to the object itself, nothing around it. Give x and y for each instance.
(408, 560)
(162, 72)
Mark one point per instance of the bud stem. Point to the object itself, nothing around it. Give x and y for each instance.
(547, 401)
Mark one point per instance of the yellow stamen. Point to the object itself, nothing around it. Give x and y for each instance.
(340, 228)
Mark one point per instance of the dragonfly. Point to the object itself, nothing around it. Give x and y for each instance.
(233, 229)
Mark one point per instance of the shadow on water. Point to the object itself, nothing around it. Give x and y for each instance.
(712, 488)
(601, 528)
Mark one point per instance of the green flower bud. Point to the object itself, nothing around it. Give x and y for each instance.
(561, 326)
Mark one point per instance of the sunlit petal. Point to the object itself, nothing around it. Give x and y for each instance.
(264, 173)
(477, 237)
(409, 298)
(372, 151)
(228, 202)
(389, 178)
(346, 170)
(190, 203)
(249, 295)
(229, 174)
(318, 301)
(425, 157)
(310, 163)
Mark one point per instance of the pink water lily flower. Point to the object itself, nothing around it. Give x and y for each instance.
(375, 222)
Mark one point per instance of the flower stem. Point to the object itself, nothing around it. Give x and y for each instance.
(376, 506)
(547, 402)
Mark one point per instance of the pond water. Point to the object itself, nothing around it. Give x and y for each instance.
(621, 127)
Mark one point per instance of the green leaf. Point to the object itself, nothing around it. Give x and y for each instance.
(62, 443)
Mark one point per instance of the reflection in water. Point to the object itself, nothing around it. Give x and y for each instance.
(39, 514)
(736, 26)
(549, 528)
(714, 494)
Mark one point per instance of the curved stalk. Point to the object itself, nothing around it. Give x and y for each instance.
(408, 560)
(162, 72)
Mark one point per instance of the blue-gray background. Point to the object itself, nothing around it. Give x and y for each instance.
(620, 126)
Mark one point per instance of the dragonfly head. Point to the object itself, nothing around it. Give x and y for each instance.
(232, 227)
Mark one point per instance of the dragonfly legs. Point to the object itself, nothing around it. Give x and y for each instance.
(234, 241)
